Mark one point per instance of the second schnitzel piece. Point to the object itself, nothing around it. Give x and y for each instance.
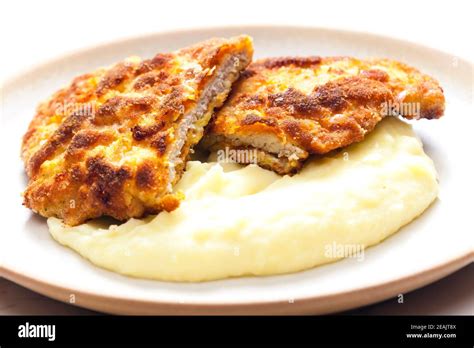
(285, 109)
(114, 142)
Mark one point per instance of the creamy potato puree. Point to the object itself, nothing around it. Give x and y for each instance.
(239, 220)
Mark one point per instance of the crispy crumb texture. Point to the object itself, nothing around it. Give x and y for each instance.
(291, 107)
(114, 142)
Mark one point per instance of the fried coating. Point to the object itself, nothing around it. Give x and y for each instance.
(289, 108)
(114, 142)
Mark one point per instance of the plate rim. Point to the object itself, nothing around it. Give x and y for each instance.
(319, 304)
(10, 78)
(323, 304)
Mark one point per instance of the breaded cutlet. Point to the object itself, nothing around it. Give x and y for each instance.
(115, 141)
(288, 108)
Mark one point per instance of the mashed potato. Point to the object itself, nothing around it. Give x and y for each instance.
(238, 221)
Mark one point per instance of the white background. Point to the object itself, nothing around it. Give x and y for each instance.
(34, 31)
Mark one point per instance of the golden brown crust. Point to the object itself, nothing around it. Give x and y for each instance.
(320, 104)
(105, 144)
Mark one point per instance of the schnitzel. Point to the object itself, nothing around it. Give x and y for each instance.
(289, 108)
(122, 147)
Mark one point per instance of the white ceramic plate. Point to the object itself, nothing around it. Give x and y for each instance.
(436, 244)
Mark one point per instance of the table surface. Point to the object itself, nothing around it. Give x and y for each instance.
(34, 37)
